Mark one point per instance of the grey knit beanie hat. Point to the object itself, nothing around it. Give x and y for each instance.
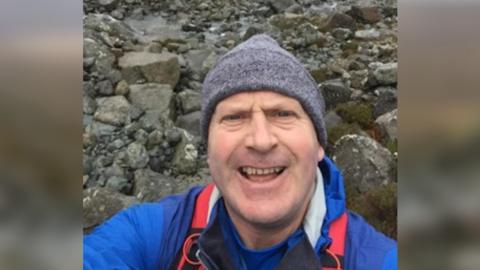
(261, 64)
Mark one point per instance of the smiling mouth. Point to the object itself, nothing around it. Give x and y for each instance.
(259, 174)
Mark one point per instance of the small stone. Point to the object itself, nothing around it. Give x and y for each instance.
(88, 62)
(320, 74)
(286, 21)
(359, 78)
(117, 144)
(335, 92)
(369, 34)
(332, 119)
(112, 110)
(88, 139)
(131, 128)
(190, 122)
(189, 101)
(366, 14)
(186, 155)
(190, 27)
(100, 129)
(154, 47)
(135, 113)
(341, 33)
(251, 31)
(203, 6)
(295, 8)
(119, 184)
(156, 164)
(85, 180)
(154, 119)
(173, 136)
(107, 2)
(104, 59)
(387, 125)
(280, 6)
(155, 138)
(262, 11)
(103, 161)
(195, 59)
(338, 20)
(137, 156)
(89, 105)
(211, 59)
(89, 89)
(118, 14)
(141, 136)
(386, 102)
(122, 88)
(385, 74)
(137, 14)
(114, 76)
(105, 88)
(87, 164)
(310, 34)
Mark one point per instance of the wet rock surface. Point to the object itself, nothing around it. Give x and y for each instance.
(144, 63)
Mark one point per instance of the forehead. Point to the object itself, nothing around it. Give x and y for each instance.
(264, 99)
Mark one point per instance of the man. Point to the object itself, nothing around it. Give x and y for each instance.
(277, 201)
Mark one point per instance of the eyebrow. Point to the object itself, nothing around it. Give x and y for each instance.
(239, 107)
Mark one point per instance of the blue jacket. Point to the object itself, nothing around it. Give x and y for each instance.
(148, 236)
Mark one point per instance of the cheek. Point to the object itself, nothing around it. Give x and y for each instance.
(219, 150)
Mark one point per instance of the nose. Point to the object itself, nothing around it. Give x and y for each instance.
(261, 137)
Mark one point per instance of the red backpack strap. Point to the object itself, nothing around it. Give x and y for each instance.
(200, 215)
(337, 233)
(186, 259)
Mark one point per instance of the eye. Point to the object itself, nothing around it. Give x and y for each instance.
(232, 117)
(283, 114)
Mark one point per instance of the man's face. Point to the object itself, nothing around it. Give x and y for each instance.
(263, 154)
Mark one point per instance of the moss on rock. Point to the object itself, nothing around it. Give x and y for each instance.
(392, 146)
(360, 113)
(336, 132)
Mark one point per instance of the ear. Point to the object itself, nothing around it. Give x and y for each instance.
(321, 153)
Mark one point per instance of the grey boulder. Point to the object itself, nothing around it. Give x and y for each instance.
(190, 122)
(387, 125)
(99, 204)
(112, 110)
(151, 186)
(152, 96)
(189, 101)
(365, 163)
(153, 67)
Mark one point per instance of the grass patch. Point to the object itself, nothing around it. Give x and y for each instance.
(378, 206)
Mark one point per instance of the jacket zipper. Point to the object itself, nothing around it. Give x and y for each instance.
(205, 260)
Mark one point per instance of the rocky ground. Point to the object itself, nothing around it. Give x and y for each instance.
(144, 62)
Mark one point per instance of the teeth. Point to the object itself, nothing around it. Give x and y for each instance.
(259, 171)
